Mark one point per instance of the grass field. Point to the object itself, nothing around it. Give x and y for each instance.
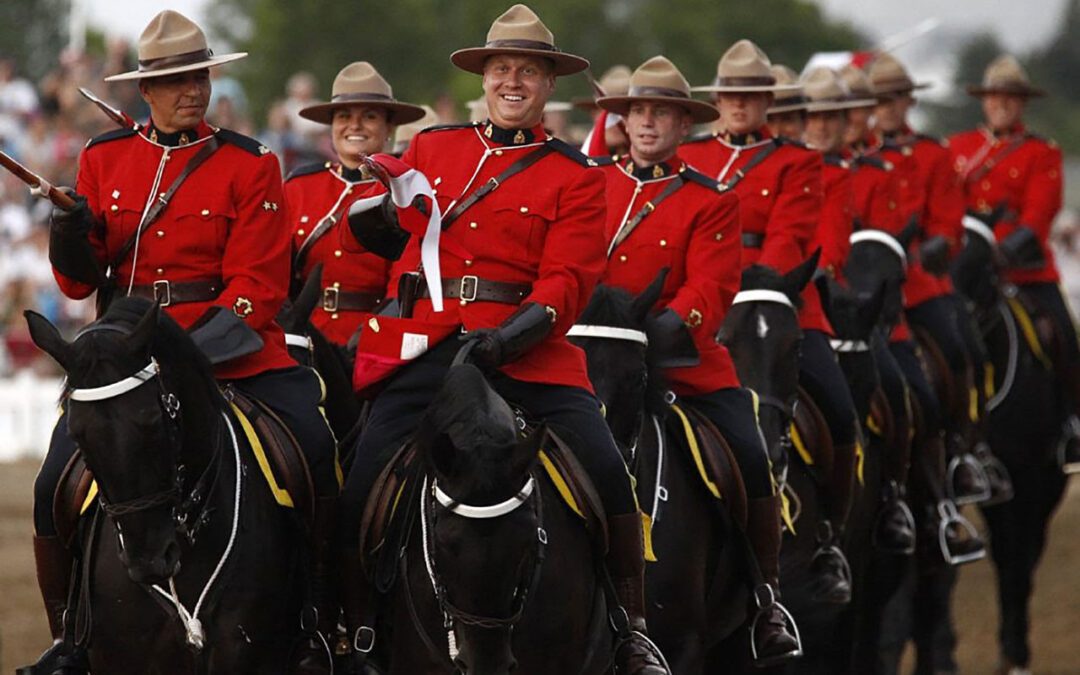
(1056, 608)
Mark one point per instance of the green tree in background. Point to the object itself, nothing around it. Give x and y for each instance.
(31, 32)
(410, 40)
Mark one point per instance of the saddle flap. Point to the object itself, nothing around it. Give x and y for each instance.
(277, 453)
(72, 492)
(810, 435)
(383, 500)
(573, 484)
(715, 461)
(950, 392)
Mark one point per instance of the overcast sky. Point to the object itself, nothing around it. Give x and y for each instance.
(1021, 24)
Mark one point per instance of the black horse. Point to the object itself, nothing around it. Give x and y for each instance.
(1026, 414)
(495, 573)
(188, 565)
(697, 589)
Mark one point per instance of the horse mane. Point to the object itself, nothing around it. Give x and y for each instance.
(762, 277)
(613, 306)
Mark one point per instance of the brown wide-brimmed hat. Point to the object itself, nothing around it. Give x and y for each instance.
(826, 91)
(859, 85)
(744, 68)
(614, 82)
(888, 77)
(659, 81)
(519, 31)
(172, 43)
(790, 100)
(405, 133)
(1005, 75)
(360, 84)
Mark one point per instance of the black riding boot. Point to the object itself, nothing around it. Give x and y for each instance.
(771, 630)
(54, 562)
(319, 621)
(635, 654)
(357, 596)
(832, 573)
(894, 528)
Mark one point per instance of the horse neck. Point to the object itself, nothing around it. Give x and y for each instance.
(201, 426)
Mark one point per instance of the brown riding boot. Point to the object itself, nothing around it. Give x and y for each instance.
(773, 635)
(54, 565)
(635, 654)
(318, 621)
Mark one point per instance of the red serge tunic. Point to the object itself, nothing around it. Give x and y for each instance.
(543, 226)
(315, 193)
(1021, 170)
(226, 221)
(780, 201)
(695, 232)
(837, 214)
(928, 188)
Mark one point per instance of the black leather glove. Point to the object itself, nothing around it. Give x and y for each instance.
(520, 332)
(69, 245)
(1021, 249)
(934, 255)
(378, 231)
(223, 336)
(670, 342)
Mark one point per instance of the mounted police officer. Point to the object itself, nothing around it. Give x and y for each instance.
(780, 194)
(519, 260)
(192, 217)
(362, 115)
(1005, 167)
(692, 228)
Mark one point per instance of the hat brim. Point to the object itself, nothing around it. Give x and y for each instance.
(898, 91)
(786, 108)
(835, 106)
(187, 67)
(472, 59)
(583, 103)
(400, 113)
(735, 89)
(978, 90)
(700, 111)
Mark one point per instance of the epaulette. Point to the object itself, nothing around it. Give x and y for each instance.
(692, 175)
(243, 142)
(307, 170)
(572, 153)
(110, 136)
(697, 138)
(445, 127)
(873, 161)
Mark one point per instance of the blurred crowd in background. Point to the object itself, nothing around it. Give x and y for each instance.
(45, 124)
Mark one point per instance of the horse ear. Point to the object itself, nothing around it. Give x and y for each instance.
(907, 235)
(797, 278)
(527, 450)
(142, 335)
(308, 296)
(48, 339)
(648, 298)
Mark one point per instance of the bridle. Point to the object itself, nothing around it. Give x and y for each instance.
(433, 496)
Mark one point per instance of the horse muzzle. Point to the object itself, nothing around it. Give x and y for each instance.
(152, 569)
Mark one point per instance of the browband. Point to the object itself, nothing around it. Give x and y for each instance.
(484, 512)
(628, 334)
(762, 295)
(973, 224)
(882, 238)
(117, 388)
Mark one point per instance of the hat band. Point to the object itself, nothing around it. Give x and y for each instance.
(759, 81)
(1007, 85)
(662, 92)
(349, 98)
(790, 100)
(521, 44)
(187, 58)
(898, 85)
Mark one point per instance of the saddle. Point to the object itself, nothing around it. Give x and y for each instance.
(276, 451)
(950, 392)
(383, 525)
(883, 422)
(810, 435)
(713, 458)
(1041, 333)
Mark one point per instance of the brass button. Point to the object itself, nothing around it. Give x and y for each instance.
(303, 219)
(765, 192)
(473, 226)
(468, 263)
(622, 258)
(498, 153)
(1014, 172)
(906, 150)
(663, 242)
(334, 315)
(161, 195)
(337, 254)
(337, 284)
(719, 236)
(983, 205)
(524, 209)
(985, 185)
(205, 212)
(463, 302)
(159, 271)
(161, 233)
(114, 208)
(300, 232)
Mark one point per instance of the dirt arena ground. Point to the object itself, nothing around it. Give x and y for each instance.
(1056, 608)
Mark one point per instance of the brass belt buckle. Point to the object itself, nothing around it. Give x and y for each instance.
(469, 286)
(162, 292)
(330, 297)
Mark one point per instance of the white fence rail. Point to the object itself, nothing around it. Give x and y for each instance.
(28, 412)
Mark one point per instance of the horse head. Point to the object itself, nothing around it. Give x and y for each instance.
(612, 331)
(761, 330)
(877, 262)
(976, 270)
(129, 376)
(484, 535)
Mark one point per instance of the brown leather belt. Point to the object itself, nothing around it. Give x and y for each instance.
(166, 292)
(337, 300)
(753, 240)
(474, 289)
